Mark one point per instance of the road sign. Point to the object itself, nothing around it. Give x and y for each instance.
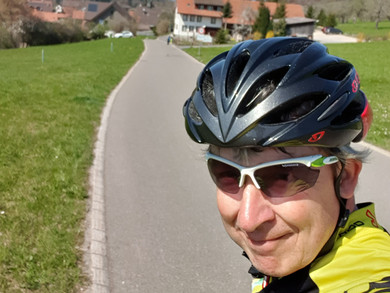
(204, 38)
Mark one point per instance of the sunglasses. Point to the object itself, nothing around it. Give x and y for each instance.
(280, 178)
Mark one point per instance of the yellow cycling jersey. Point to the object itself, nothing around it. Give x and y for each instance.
(358, 262)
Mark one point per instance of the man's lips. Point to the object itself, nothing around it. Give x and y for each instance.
(268, 242)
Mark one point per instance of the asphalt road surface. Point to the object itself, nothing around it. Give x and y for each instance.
(319, 36)
(163, 230)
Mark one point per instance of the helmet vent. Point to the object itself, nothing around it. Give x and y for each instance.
(300, 107)
(335, 71)
(295, 47)
(235, 71)
(193, 113)
(354, 110)
(261, 89)
(208, 93)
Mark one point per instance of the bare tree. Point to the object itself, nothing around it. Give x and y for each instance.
(379, 11)
(359, 8)
(248, 16)
(12, 10)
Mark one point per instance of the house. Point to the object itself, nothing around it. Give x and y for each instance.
(300, 26)
(41, 5)
(148, 16)
(89, 13)
(246, 11)
(205, 16)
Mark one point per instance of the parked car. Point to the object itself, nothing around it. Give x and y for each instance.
(109, 34)
(124, 34)
(332, 30)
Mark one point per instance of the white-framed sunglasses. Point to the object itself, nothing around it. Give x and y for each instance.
(281, 178)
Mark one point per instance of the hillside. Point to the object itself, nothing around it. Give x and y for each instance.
(344, 10)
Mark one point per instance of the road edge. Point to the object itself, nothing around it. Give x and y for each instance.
(94, 247)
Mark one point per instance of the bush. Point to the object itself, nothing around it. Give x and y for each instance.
(270, 34)
(257, 35)
(360, 37)
(98, 32)
(37, 32)
(6, 40)
(163, 27)
(280, 28)
(221, 37)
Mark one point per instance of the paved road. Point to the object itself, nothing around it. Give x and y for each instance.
(163, 230)
(162, 226)
(319, 36)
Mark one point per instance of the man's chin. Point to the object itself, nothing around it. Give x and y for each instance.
(270, 266)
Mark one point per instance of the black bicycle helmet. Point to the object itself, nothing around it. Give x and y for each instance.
(278, 92)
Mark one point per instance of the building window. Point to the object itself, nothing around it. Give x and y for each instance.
(185, 17)
(199, 19)
(184, 28)
(201, 6)
(213, 20)
(192, 17)
(209, 7)
(191, 28)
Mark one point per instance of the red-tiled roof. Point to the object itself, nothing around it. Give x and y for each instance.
(294, 10)
(188, 7)
(240, 6)
(42, 5)
(49, 16)
(210, 2)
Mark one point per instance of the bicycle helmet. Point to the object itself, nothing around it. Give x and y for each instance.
(277, 92)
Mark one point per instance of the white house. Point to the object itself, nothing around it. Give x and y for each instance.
(197, 16)
(194, 17)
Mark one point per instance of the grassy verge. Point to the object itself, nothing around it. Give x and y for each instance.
(373, 65)
(50, 108)
(366, 31)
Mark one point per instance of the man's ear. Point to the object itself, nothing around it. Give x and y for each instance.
(349, 178)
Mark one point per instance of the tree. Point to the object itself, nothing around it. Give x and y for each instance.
(227, 11)
(263, 21)
(280, 11)
(359, 8)
(165, 22)
(322, 18)
(12, 10)
(279, 23)
(379, 10)
(310, 12)
(331, 20)
(280, 27)
(221, 37)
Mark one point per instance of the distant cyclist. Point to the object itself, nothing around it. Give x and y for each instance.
(279, 116)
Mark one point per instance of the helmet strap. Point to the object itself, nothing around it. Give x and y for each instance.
(343, 215)
(344, 212)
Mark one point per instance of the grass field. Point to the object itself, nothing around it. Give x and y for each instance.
(51, 99)
(373, 64)
(367, 30)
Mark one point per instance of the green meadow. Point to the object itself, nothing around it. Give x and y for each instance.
(367, 30)
(373, 65)
(51, 99)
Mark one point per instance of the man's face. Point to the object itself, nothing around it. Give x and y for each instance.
(280, 235)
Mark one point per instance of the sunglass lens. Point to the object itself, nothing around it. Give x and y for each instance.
(224, 176)
(284, 181)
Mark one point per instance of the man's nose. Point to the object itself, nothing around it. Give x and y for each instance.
(255, 208)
